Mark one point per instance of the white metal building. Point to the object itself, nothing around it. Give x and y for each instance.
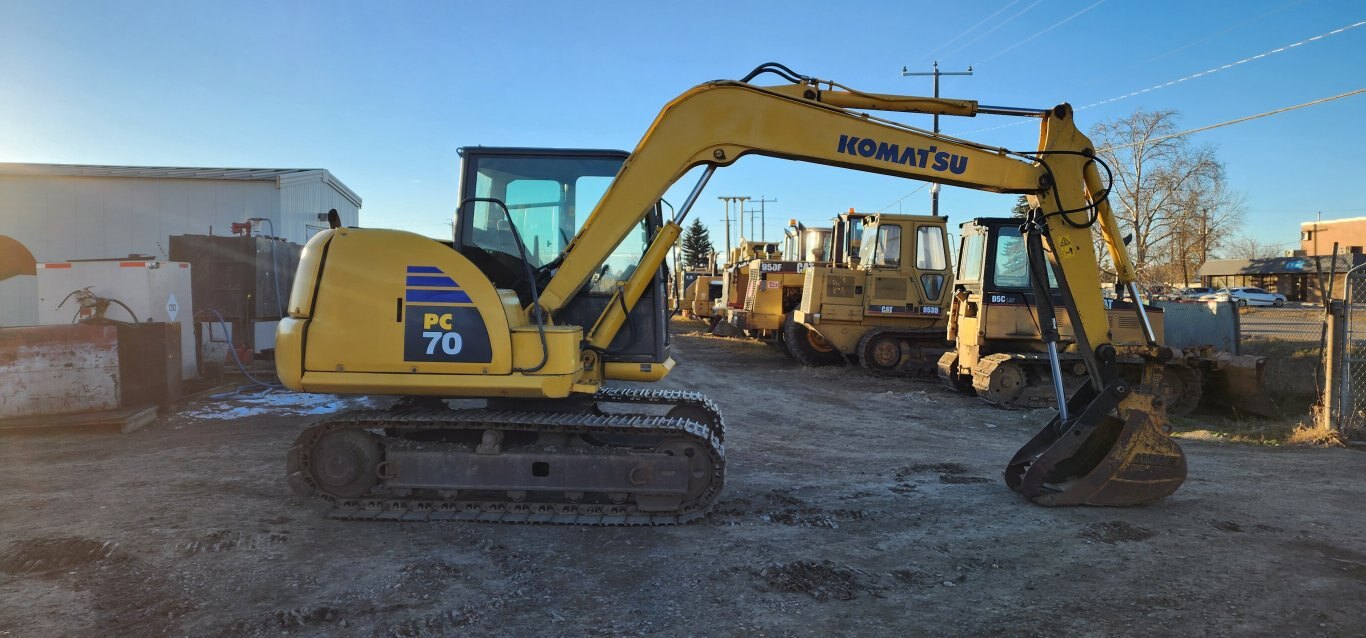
(61, 212)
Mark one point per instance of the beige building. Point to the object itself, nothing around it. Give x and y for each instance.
(1317, 237)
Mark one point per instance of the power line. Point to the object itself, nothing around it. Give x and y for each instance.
(1226, 66)
(898, 201)
(989, 31)
(1056, 25)
(1190, 132)
(1192, 77)
(1215, 35)
(969, 30)
(1239, 120)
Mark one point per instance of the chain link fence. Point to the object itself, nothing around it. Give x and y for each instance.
(1352, 415)
(1299, 323)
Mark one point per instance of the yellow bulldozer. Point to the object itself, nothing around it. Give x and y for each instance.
(884, 305)
(997, 353)
(753, 284)
(692, 290)
(550, 294)
(768, 286)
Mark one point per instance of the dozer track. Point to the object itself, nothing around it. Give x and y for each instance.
(527, 466)
(903, 353)
(1023, 380)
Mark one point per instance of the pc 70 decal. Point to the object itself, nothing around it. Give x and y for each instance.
(448, 334)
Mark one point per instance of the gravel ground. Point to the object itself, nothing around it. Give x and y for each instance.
(854, 505)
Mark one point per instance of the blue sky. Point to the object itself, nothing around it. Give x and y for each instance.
(382, 94)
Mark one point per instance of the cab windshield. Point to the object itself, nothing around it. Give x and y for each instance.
(1012, 264)
(548, 198)
(883, 247)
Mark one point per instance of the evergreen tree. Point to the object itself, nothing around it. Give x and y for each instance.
(697, 246)
(1021, 207)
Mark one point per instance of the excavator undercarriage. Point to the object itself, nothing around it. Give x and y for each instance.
(573, 462)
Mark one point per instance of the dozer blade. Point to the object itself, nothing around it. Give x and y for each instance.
(1239, 381)
(1099, 460)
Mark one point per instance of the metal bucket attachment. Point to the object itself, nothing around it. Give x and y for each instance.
(1114, 462)
(1239, 381)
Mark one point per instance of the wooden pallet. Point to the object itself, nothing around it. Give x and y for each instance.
(125, 419)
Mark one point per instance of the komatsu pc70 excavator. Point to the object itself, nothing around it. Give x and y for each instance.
(538, 304)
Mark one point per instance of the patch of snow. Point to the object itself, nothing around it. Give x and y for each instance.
(272, 403)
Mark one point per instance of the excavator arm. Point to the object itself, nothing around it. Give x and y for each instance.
(1087, 454)
(716, 123)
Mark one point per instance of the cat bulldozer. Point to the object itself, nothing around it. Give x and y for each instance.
(753, 285)
(995, 332)
(693, 290)
(887, 308)
(551, 293)
(773, 284)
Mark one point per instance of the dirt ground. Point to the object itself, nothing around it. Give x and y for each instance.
(854, 505)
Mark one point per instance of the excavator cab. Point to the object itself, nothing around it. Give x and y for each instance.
(549, 194)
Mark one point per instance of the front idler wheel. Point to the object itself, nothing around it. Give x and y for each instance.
(345, 463)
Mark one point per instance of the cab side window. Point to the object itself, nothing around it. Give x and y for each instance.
(888, 249)
(970, 257)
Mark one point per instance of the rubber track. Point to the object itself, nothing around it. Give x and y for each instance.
(382, 507)
(651, 396)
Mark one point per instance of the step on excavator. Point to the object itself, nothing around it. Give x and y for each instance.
(503, 345)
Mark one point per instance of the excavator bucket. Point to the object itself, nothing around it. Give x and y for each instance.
(1098, 459)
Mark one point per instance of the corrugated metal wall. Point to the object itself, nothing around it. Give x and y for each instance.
(306, 195)
(61, 218)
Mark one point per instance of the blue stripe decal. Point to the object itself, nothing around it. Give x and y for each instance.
(438, 296)
(435, 282)
(430, 270)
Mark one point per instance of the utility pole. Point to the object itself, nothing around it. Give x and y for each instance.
(934, 188)
(740, 214)
(752, 212)
(727, 201)
(763, 223)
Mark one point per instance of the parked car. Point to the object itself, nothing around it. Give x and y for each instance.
(1246, 296)
(1195, 292)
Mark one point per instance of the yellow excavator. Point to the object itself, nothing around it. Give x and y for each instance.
(538, 304)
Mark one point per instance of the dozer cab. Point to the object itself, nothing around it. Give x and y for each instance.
(886, 307)
(997, 353)
(553, 291)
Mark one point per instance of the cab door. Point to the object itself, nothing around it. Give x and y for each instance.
(931, 273)
(889, 289)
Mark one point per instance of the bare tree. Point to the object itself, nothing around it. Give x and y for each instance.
(1249, 247)
(1169, 196)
